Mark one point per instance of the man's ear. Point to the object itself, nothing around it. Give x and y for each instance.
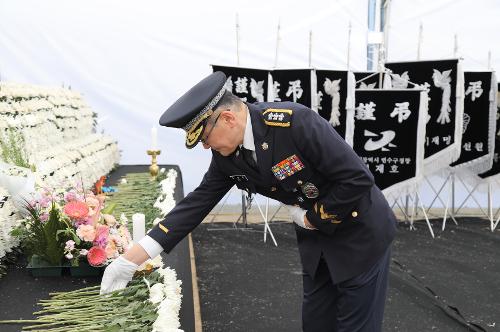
(228, 117)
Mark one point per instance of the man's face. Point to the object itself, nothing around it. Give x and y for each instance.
(222, 134)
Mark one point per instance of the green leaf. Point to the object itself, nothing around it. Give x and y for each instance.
(55, 250)
(109, 208)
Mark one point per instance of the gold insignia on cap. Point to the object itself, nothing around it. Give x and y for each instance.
(192, 137)
(194, 132)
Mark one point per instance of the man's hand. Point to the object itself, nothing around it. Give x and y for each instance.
(298, 216)
(117, 275)
(121, 270)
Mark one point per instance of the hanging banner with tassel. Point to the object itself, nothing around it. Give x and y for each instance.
(479, 123)
(389, 134)
(335, 98)
(443, 79)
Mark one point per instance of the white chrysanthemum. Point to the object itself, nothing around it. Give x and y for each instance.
(168, 317)
(156, 294)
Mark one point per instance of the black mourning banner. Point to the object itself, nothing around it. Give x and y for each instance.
(292, 85)
(495, 169)
(247, 83)
(386, 133)
(369, 83)
(332, 95)
(440, 78)
(475, 128)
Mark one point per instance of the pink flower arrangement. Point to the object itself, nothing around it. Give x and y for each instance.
(91, 235)
(96, 256)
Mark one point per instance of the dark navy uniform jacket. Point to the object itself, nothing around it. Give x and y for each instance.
(298, 150)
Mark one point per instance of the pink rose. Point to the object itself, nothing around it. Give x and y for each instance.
(109, 219)
(44, 217)
(86, 232)
(70, 196)
(102, 233)
(95, 206)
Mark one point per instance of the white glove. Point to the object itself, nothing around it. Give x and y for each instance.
(117, 275)
(297, 214)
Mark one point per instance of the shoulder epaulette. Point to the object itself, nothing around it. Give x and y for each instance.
(278, 117)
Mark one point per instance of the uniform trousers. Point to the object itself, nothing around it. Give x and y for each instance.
(353, 305)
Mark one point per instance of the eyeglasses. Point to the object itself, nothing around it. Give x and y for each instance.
(204, 140)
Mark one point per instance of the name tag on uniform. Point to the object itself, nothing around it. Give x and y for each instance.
(239, 178)
(287, 167)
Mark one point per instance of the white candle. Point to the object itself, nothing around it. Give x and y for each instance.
(154, 135)
(138, 226)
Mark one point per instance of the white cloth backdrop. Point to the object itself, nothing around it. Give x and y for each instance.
(132, 59)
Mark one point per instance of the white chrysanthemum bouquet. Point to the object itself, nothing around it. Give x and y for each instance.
(149, 303)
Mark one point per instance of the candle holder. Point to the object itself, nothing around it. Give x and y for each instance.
(153, 169)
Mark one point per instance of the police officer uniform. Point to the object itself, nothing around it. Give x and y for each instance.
(301, 161)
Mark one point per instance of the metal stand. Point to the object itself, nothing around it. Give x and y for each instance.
(489, 214)
(449, 179)
(243, 214)
(417, 202)
(265, 219)
(246, 201)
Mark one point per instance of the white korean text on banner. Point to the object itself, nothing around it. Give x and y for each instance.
(479, 123)
(443, 79)
(249, 84)
(295, 85)
(493, 174)
(335, 97)
(389, 133)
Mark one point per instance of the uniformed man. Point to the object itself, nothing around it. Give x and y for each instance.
(287, 152)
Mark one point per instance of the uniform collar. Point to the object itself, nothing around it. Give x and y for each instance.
(248, 139)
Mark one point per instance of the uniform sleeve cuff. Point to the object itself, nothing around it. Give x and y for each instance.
(152, 247)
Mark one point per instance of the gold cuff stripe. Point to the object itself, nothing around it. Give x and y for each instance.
(163, 228)
(324, 215)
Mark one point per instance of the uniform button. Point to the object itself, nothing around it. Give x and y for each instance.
(354, 214)
(299, 182)
(300, 199)
(273, 188)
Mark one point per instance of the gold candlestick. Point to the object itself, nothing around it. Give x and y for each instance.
(153, 169)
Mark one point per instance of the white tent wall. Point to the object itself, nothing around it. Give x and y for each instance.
(474, 22)
(132, 59)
